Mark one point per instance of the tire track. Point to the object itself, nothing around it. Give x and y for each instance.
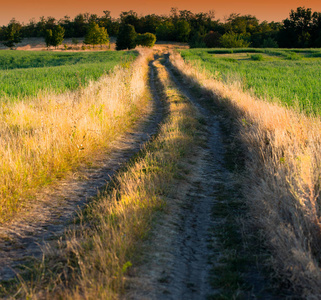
(22, 241)
(186, 258)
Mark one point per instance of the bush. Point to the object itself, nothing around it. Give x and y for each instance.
(270, 43)
(126, 38)
(258, 57)
(233, 40)
(197, 41)
(146, 40)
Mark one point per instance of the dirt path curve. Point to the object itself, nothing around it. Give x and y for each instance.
(22, 240)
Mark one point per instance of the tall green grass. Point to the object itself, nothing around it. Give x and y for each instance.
(26, 74)
(291, 76)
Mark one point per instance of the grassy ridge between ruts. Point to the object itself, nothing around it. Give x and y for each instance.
(27, 74)
(93, 261)
(46, 137)
(284, 177)
(291, 77)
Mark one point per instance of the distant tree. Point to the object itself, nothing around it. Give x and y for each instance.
(297, 29)
(126, 37)
(165, 31)
(149, 23)
(67, 24)
(146, 39)
(131, 18)
(12, 34)
(109, 23)
(242, 24)
(182, 31)
(197, 40)
(54, 37)
(212, 39)
(29, 30)
(270, 43)
(96, 35)
(80, 24)
(48, 37)
(233, 40)
(58, 34)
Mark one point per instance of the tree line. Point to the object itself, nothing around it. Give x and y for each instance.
(301, 29)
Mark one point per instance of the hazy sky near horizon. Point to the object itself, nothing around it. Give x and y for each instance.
(272, 10)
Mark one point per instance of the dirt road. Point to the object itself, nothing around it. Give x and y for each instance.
(196, 251)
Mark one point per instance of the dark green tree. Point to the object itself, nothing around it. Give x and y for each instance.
(12, 34)
(126, 37)
(109, 23)
(146, 39)
(213, 39)
(297, 29)
(182, 30)
(54, 37)
(131, 17)
(67, 24)
(196, 40)
(96, 35)
(165, 31)
(48, 37)
(80, 24)
(58, 34)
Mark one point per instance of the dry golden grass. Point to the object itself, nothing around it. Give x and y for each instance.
(284, 167)
(93, 261)
(42, 139)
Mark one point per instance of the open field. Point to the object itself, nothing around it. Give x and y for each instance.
(291, 76)
(26, 74)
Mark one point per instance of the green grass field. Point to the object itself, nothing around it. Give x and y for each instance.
(24, 74)
(290, 76)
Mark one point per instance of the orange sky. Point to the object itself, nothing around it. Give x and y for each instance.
(270, 10)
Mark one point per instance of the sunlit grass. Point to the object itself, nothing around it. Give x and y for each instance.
(44, 138)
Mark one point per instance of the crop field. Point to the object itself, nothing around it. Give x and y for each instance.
(26, 74)
(291, 76)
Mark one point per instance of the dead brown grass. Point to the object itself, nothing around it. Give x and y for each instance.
(43, 139)
(284, 167)
(93, 260)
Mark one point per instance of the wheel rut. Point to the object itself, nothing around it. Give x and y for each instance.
(185, 255)
(22, 241)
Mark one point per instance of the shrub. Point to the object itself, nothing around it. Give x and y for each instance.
(258, 57)
(197, 41)
(233, 40)
(270, 43)
(146, 40)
